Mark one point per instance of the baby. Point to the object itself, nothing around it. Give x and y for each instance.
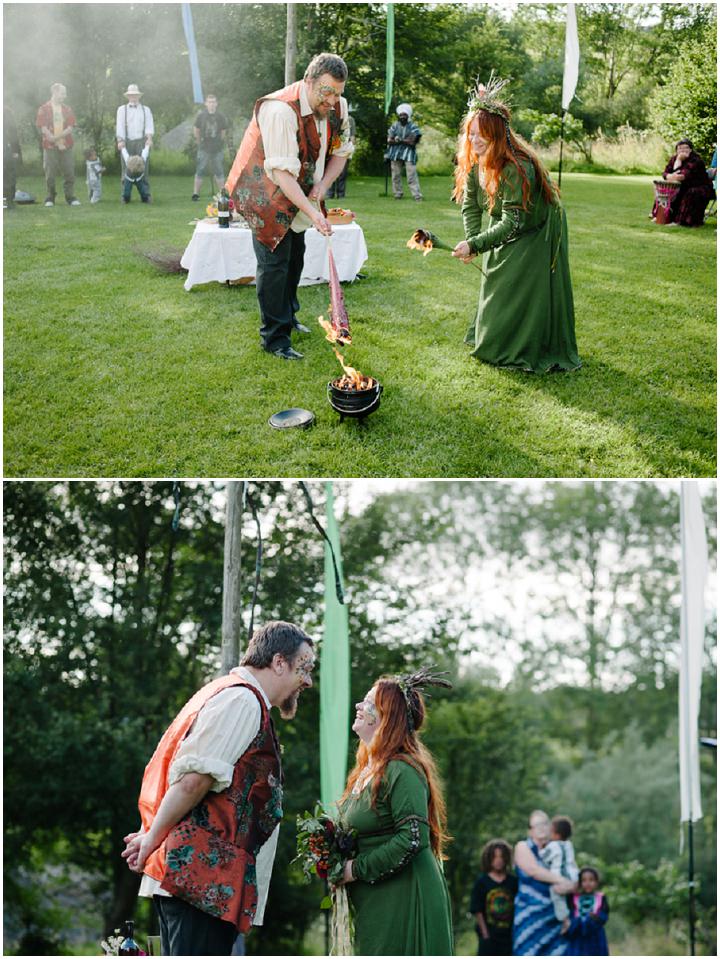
(559, 856)
(93, 175)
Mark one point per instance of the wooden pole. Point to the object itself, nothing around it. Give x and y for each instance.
(290, 45)
(562, 137)
(232, 579)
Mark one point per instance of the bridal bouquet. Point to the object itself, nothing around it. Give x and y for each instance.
(324, 845)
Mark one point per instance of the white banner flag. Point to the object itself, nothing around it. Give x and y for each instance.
(692, 634)
(572, 57)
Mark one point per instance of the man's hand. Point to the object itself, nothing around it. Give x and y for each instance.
(132, 841)
(320, 223)
(318, 191)
(141, 849)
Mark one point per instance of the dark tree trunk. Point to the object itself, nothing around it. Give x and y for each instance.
(124, 901)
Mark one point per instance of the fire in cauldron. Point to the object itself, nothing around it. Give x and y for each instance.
(353, 394)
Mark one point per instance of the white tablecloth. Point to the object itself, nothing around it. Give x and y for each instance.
(215, 254)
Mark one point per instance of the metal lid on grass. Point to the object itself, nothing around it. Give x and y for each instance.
(289, 419)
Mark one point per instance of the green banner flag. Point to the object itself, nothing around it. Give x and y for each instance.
(389, 57)
(334, 675)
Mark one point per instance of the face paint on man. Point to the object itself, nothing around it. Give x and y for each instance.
(303, 668)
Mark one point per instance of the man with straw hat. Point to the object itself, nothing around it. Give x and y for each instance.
(134, 129)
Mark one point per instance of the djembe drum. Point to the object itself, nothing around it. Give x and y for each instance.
(665, 193)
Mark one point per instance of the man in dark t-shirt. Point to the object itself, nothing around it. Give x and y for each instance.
(493, 899)
(209, 130)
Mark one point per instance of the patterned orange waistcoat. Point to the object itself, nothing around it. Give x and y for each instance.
(208, 858)
(267, 210)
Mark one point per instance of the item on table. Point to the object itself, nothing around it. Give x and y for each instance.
(338, 215)
(223, 208)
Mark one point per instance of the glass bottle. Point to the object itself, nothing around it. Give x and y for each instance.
(128, 947)
(223, 210)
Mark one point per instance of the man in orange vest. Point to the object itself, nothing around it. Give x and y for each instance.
(211, 799)
(293, 150)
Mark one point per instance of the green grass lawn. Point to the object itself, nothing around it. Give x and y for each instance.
(112, 369)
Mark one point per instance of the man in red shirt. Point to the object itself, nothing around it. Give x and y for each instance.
(56, 122)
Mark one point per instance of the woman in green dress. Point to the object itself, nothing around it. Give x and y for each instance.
(393, 799)
(525, 317)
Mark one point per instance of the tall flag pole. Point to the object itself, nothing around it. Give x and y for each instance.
(389, 70)
(570, 73)
(192, 52)
(692, 635)
(334, 674)
(389, 56)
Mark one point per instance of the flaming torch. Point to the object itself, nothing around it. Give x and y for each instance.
(425, 241)
(338, 314)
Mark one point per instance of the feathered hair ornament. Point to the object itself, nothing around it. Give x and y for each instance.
(416, 682)
(485, 96)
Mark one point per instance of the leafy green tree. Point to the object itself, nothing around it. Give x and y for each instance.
(111, 620)
(686, 105)
(547, 128)
(490, 759)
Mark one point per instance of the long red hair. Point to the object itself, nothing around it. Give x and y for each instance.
(496, 130)
(394, 740)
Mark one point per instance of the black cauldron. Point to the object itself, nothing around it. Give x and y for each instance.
(354, 403)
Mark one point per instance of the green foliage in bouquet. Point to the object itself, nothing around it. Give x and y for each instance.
(323, 846)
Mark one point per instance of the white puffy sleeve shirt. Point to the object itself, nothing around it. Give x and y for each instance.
(222, 731)
(278, 124)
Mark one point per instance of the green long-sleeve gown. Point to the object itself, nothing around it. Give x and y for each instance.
(525, 317)
(400, 900)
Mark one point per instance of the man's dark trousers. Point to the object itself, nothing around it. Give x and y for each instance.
(276, 281)
(186, 931)
(338, 187)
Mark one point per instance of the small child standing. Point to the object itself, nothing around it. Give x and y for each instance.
(493, 900)
(589, 911)
(135, 174)
(559, 856)
(93, 175)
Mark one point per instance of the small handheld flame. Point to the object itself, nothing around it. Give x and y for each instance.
(426, 241)
(420, 240)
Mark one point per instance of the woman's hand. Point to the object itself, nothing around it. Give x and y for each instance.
(463, 252)
(347, 873)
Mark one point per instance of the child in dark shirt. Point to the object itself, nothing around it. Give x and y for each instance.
(493, 900)
(589, 911)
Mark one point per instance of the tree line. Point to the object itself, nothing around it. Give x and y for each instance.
(646, 66)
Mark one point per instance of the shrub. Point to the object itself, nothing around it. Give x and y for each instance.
(686, 106)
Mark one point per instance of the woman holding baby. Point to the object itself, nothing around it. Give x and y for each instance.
(537, 930)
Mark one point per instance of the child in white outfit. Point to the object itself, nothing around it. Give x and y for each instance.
(559, 856)
(93, 175)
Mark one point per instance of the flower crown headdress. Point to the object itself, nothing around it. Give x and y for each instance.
(416, 682)
(485, 96)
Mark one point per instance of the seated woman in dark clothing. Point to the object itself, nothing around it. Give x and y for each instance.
(686, 168)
